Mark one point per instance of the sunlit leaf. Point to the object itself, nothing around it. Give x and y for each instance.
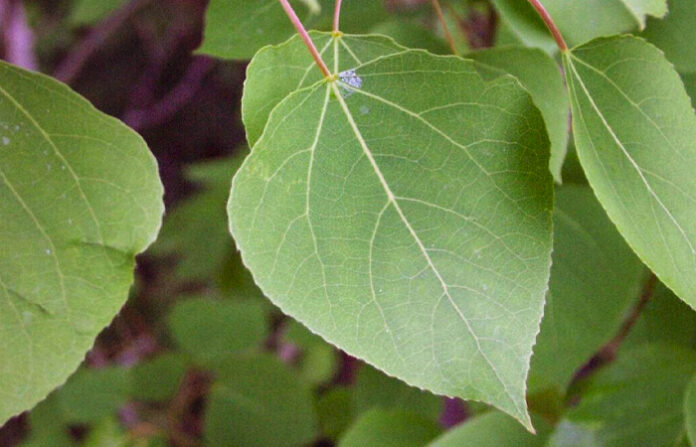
(408, 224)
(79, 198)
(635, 134)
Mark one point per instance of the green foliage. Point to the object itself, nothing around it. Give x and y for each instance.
(389, 428)
(634, 402)
(400, 207)
(635, 134)
(449, 156)
(595, 279)
(79, 198)
(675, 35)
(88, 12)
(208, 330)
(539, 74)
(494, 429)
(257, 401)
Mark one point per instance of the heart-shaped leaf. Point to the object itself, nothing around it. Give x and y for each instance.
(406, 222)
(79, 198)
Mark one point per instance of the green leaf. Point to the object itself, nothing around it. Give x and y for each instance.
(335, 411)
(257, 401)
(578, 20)
(389, 429)
(107, 433)
(208, 330)
(408, 224)
(374, 389)
(236, 29)
(635, 134)
(676, 34)
(79, 198)
(635, 401)
(520, 19)
(595, 280)
(157, 379)
(319, 360)
(195, 229)
(46, 425)
(690, 411)
(665, 319)
(689, 80)
(493, 429)
(289, 67)
(412, 35)
(643, 8)
(541, 76)
(94, 394)
(88, 12)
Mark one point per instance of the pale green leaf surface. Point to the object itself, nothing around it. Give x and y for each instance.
(676, 34)
(690, 411)
(390, 428)
(79, 198)
(493, 429)
(209, 329)
(541, 76)
(290, 67)
(259, 402)
(637, 401)
(635, 134)
(406, 223)
(595, 281)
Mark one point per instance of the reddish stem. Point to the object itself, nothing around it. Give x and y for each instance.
(337, 16)
(305, 37)
(549, 24)
(441, 18)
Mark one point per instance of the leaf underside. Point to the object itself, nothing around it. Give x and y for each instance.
(635, 134)
(79, 197)
(407, 223)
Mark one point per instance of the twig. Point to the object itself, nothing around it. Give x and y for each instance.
(305, 37)
(441, 18)
(555, 32)
(76, 60)
(337, 16)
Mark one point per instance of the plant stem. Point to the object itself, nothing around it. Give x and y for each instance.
(549, 24)
(337, 16)
(441, 18)
(305, 38)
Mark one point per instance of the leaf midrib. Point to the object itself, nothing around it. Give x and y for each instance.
(392, 199)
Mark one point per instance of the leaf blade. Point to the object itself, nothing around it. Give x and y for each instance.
(293, 237)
